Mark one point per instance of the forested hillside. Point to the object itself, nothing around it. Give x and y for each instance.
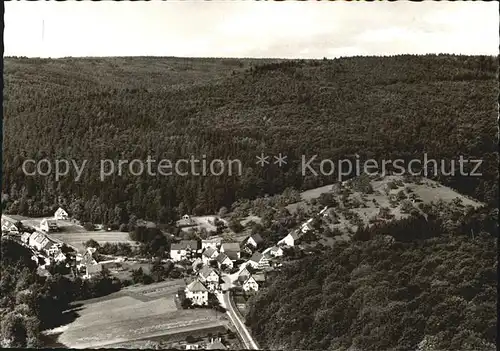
(396, 291)
(126, 108)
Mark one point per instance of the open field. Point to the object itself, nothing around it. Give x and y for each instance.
(77, 239)
(134, 313)
(309, 195)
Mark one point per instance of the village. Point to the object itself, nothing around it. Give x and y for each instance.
(226, 271)
(223, 271)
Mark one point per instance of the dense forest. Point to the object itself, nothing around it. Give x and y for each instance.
(395, 290)
(169, 108)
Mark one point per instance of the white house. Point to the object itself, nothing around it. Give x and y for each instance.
(209, 254)
(216, 344)
(250, 284)
(185, 249)
(274, 251)
(40, 242)
(197, 293)
(290, 239)
(48, 225)
(9, 225)
(25, 238)
(214, 243)
(259, 260)
(223, 259)
(255, 240)
(61, 214)
(209, 277)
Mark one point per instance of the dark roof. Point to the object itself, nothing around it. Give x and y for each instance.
(185, 244)
(235, 247)
(257, 238)
(256, 257)
(222, 256)
(206, 271)
(196, 286)
(259, 277)
(209, 252)
(233, 255)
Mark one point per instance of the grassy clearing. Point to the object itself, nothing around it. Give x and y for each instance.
(77, 239)
(135, 313)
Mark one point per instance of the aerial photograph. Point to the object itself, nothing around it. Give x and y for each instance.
(250, 175)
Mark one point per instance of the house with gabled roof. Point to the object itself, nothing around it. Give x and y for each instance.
(197, 292)
(185, 249)
(49, 225)
(255, 240)
(216, 344)
(259, 260)
(223, 259)
(40, 241)
(244, 273)
(291, 239)
(210, 277)
(250, 284)
(61, 214)
(232, 250)
(9, 225)
(274, 251)
(209, 254)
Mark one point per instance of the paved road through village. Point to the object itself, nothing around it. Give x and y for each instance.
(237, 322)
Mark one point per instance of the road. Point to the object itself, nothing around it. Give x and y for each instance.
(237, 322)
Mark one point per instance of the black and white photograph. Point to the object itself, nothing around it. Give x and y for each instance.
(250, 175)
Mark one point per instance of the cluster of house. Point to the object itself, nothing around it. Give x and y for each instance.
(217, 257)
(48, 250)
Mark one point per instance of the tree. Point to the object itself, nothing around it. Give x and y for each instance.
(186, 303)
(235, 226)
(91, 243)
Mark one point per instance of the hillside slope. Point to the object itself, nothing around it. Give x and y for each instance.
(127, 108)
